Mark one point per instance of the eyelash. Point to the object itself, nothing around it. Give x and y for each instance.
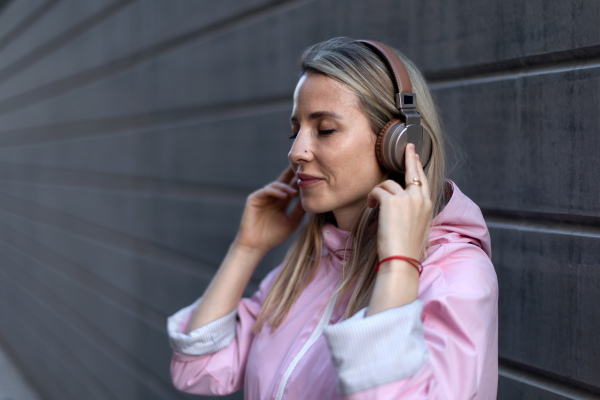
(323, 132)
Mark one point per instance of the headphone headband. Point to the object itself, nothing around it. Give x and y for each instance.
(392, 140)
(404, 97)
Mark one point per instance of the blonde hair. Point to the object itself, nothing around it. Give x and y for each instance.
(357, 66)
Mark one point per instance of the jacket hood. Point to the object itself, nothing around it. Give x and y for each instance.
(460, 221)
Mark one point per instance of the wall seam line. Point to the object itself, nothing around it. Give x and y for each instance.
(544, 383)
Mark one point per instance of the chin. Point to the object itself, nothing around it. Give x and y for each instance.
(313, 207)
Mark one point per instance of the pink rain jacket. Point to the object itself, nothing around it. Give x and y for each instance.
(444, 345)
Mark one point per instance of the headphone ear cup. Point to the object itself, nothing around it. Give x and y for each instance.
(383, 142)
(392, 140)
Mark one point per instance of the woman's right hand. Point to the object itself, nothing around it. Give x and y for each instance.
(265, 222)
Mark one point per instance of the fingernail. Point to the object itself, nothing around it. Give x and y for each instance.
(411, 146)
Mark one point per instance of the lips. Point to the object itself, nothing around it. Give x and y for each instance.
(305, 180)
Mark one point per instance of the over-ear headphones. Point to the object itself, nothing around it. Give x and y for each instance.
(396, 134)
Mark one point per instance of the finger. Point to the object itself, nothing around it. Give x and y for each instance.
(410, 157)
(275, 192)
(284, 187)
(423, 178)
(412, 177)
(376, 195)
(391, 186)
(287, 175)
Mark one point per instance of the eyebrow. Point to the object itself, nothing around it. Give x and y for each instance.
(319, 114)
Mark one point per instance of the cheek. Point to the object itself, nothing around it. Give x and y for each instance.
(365, 164)
(352, 163)
(362, 175)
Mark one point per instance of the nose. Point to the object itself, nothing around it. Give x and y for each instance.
(301, 151)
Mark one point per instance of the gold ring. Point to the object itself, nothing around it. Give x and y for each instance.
(414, 182)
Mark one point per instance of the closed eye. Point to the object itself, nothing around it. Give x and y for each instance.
(322, 132)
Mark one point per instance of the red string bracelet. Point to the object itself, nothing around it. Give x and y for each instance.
(409, 260)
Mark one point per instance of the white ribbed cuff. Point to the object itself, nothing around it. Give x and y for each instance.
(208, 339)
(382, 348)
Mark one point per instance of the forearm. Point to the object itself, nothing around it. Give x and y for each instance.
(397, 284)
(227, 286)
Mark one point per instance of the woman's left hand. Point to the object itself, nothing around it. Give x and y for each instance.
(404, 214)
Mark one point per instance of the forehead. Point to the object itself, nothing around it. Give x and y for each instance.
(316, 92)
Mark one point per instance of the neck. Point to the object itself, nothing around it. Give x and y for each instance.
(346, 218)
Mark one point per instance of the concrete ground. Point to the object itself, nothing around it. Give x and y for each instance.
(13, 385)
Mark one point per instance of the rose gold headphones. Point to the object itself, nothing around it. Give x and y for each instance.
(397, 133)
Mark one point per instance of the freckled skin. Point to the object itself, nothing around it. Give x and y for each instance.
(345, 159)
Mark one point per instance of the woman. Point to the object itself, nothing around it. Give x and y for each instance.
(349, 314)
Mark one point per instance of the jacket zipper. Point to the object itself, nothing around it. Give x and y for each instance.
(313, 338)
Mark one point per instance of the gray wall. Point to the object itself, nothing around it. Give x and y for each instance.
(131, 132)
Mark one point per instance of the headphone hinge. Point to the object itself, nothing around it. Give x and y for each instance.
(406, 101)
(411, 117)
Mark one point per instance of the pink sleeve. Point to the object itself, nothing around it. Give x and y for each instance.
(212, 358)
(458, 330)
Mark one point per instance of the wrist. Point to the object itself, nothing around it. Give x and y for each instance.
(399, 268)
(400, 251)
(248, 251)
(396, 284)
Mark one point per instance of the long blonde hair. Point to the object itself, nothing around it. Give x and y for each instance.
(355, 65)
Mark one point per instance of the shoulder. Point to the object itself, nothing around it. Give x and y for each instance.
(459, 257)
(464, 268)
(460, 222)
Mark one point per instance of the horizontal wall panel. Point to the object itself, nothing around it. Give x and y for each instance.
(114, 31)
(448, 35)
(205, 70)
(148, 281)
(92, 329)
(44, 261)
(80, 383)
(455, 34)
(546, 306)
(53, 378)
(128, 267)
(197, 71)
(92, 325)
(191, 254)
(179, 79)
(203, 233)
(96, 233)
(222, 153)
(530, 144)
(198, 242)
